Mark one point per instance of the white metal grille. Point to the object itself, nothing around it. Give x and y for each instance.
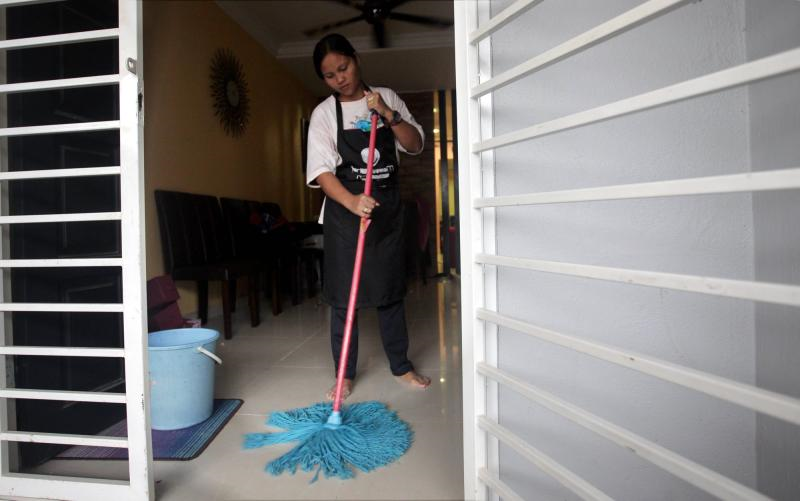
(136, 396)
(481, 319)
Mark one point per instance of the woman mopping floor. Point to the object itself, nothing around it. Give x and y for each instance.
(364, 435)
(338, 138)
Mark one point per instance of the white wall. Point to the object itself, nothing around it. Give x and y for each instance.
(775, 136)
(708, 235)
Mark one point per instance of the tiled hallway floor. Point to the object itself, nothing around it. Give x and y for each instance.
(286, 363)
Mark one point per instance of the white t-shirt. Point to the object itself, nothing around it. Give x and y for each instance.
(322, 154)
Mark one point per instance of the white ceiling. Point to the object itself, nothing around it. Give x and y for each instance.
(417, 58)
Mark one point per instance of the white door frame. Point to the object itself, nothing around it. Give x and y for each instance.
(479, 262)
(133, 307)
(478, 284)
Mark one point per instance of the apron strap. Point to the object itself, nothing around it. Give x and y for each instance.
(339, 123)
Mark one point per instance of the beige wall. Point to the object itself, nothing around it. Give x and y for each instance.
(186, 148)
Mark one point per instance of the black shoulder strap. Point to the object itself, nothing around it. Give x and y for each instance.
(339, 120)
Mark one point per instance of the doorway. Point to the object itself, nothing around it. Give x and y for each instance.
(64, 240)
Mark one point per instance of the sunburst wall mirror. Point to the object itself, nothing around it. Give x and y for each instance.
(229, 92)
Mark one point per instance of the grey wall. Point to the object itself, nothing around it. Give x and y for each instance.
(774, 144)
(707, 235)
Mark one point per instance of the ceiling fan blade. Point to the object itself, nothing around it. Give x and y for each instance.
(330, 26)
(395, 3)
(411, 18)
(378, 29)
(351, 3)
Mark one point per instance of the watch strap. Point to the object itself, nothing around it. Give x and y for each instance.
(396, 118)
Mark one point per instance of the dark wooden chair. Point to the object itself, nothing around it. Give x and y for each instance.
(247, 243)
(275, 247)
(312, 256)
(197, 246)
(284, 239)
(298, 255)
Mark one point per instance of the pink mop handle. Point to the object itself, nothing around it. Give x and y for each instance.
(351, 303)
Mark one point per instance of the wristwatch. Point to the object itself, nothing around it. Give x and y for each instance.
(396, 118)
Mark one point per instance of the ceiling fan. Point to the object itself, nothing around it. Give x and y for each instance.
(376, 13)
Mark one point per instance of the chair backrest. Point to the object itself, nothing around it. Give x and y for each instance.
(216, 234)
(423, 223)
(238, 216)
(272, 209)
(193, 231)
(181, 240)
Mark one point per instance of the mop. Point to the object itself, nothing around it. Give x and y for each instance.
(334, 439)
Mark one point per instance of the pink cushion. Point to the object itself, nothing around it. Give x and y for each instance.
(162, 305)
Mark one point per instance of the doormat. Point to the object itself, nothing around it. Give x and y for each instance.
(168, 445)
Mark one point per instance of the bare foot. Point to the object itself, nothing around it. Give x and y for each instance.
(411, 378)
(347, 389)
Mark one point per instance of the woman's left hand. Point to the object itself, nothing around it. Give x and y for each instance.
(375, 102)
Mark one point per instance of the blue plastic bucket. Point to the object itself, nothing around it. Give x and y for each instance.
(181, 377)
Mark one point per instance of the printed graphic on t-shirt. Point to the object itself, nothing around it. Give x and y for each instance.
(362, 123)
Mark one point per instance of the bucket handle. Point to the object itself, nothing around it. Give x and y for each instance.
(207, 353)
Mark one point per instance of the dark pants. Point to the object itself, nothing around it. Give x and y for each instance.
(392, 322)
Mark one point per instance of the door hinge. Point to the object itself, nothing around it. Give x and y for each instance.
(130, 63)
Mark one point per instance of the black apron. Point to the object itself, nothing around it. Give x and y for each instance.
(383, 270)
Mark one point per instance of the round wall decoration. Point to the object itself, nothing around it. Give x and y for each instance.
(229, 92)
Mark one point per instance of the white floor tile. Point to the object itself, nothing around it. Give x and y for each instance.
(286, 363)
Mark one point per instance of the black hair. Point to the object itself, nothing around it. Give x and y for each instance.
(331, 43)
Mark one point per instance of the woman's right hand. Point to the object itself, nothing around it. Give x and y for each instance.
(362, 205)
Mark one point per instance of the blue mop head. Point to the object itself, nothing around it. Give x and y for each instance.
(369, 436)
